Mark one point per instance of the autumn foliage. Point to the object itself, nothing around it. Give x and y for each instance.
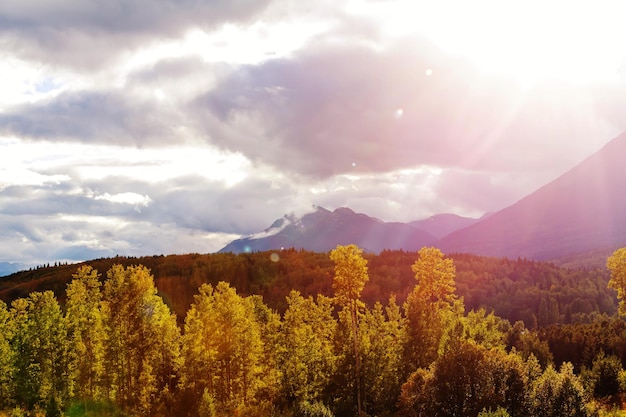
(306, 334)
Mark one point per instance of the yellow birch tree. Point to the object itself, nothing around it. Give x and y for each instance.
(350, 278)
(616, 263)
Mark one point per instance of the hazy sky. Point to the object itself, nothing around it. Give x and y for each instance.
(143, 127)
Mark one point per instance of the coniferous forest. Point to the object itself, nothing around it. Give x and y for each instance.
(296, 333)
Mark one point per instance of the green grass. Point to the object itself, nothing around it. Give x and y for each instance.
(94, 409)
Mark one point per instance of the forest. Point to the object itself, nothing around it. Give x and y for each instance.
(295, 333)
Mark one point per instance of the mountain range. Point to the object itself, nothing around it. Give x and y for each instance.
(581, 212)
(322, 230)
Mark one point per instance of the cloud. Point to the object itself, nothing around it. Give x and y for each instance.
(86, 35)
(131, 135)
(333, 106)
(115, 215)
(35, 240)
(94, 117)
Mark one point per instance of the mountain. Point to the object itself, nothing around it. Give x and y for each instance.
(322, 230)
(441, 225)
(582, 211)
(581, 214)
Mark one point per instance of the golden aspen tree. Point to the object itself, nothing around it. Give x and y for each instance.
(86, 332)
(222, 347)
(143, 344)
(350, 278)
(616, 263)
(41, 362)
(6, 356)
(307, 360)
(268, 387)
(429, 306)
(383, 336)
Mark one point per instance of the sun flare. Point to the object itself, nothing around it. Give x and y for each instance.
(529, 41)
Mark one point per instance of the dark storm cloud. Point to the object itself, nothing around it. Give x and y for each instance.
(86, 34)
(334, 105)
(96, 117)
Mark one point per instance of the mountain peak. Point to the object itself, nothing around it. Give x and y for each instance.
(343, 210)
(323, 230)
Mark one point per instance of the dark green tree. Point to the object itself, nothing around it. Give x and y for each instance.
(605, 375)
(464, 381)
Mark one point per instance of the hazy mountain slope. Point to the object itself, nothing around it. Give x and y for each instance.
(323, 230)
(582, 210)
(441, 225)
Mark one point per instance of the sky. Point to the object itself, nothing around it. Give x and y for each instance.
(140, 127)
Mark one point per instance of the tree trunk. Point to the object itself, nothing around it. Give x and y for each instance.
(357, 359)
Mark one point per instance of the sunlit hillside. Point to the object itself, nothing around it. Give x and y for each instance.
(296, 333)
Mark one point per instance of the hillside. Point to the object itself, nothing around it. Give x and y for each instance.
(441, 225)
(581, 211)
(514, 289)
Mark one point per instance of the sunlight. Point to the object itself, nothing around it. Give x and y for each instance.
(21, 82)
(529, 41)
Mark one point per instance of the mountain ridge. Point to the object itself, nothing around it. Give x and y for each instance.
(580, 211)
(322, 230)
(583, 211)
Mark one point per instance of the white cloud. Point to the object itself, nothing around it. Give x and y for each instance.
(134, 199)
(141, 128)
